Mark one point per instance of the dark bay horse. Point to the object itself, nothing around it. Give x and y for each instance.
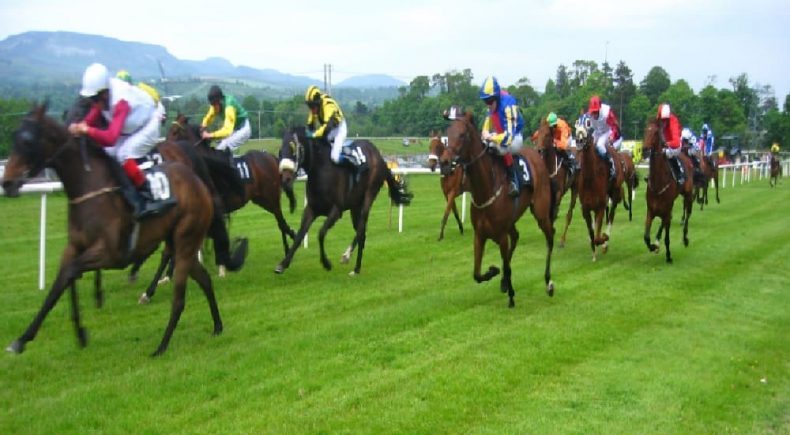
(452, 181)
(263, 186)
(597, 194)
(710, 171)
(558, 172)
(207, 171)
(662, 189)
(494, 213)
(102, 233)
(332, 189)
(776, 173)
(631, 181)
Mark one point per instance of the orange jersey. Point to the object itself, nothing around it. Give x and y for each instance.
(562, 131)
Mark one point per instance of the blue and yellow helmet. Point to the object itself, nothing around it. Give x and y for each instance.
(490, 88)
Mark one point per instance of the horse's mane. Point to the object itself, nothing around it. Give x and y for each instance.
(653, 126)
(544, 135)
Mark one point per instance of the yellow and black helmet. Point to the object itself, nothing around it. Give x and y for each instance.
(312, 96)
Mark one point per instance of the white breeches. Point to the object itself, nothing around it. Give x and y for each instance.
(336, 137)
(237, 138)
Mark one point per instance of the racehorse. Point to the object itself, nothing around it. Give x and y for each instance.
(207, 171)
(452, 181)
(776, 172)
(662, 189)
(709, 171)
(494, 215)
(102, 233)
(558, 172)
(596, 194)
(262, 185)
(332, 189)
(631, 181)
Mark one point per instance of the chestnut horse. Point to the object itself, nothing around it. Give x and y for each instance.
(558, 172)
(596, 194)
(332, 189)
(452, 181)
(662, 189)
(102, 233)
(631, 181)
(494, 214)
(708, 171)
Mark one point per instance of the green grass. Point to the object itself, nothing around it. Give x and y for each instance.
(628, 344)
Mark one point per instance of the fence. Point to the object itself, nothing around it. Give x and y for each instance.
(742, 171)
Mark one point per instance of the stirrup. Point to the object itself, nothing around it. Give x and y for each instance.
(513, 190)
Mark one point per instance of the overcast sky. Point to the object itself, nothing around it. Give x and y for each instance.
(692, 39)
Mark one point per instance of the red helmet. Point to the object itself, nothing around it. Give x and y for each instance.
(595, 104)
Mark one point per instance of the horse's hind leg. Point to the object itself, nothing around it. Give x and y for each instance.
(588, 220)
(82, 336)
(362, 227)
(665, 223)
(201, 276)
(506, 283)
(165, 261)
(98, 293)
(457, 216)
(568, 218)
(688, 204)
(648, 223)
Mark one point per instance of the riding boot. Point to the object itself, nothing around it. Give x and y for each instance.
(697, 170)
(512, 174)
(677, 168)
(229, 156)
(610, 163)
(144, 199)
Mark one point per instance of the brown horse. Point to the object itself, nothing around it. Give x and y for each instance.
(102, 232)
(776, 172)
(662, 189)
(452, 181)
(332, 189)
(558, 172)
(597, 194)
(707, 171)
(262, 185)
(631, 181)
(494, 215)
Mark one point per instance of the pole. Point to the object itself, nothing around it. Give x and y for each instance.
(42, 241)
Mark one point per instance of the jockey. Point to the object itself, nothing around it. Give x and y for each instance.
(150, 90)
(326, 121)
(692, 145)
(561, 132)
(606, 130)
(133, 125)
(235, 128)
(706, 134)
(670, 133)
(505, 118)
(775, 149)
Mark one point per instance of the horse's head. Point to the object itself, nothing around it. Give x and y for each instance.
(34, 144)
(544, 140)
(652, 140)
(182, 130)
(463, 139)
(291, 153)
(583, 131)
(435, 149)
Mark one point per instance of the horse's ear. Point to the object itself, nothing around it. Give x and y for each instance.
(40, 110)
(470, 117)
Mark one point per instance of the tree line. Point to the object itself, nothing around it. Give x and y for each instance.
(745, 109)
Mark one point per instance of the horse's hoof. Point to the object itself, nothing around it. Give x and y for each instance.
(144, 299)
(550, 288)
(132, 278)
(352, 273)
(218, 329)
(222, 271)
(344, 259)
(164, 280)
(16, 347)
(686, 242)
(604, 248)
(511, 304)
(562, 243)
(327, 265)
(279, 269)
(82, 337)
(669, 260)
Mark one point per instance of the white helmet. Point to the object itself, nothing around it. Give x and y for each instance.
(686, 133)
(95, 79)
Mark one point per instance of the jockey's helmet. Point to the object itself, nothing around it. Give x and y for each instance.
(595, 104)
(686, 133)
(705, 128)
(552, 119)
(95, 79)
(215, 95)
(313, 96)
(124, 75)
(490, 89)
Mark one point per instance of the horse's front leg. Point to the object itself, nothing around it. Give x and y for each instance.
(506, 285)
(66, 275)
(568, 217)
(588, 220)
(652, 247)
(98, 292)
(665, 223)
(82, 336)
(307, 219)
(480, 243)
(165, 260)
(331, 219)
(688, 204)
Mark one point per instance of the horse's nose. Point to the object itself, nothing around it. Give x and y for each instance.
(11, 188)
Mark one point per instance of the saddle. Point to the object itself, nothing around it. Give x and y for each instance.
(156, 196)
(243, 168)
(354, 156)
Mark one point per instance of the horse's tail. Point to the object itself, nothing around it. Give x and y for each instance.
(398, 190)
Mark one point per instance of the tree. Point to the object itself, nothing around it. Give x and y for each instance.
(562, 83)
(582, 69)
(640, 109)
(683, 102)
(654, 84)
(730, 118)
(419, 87)
(624, 89)
(12, 111)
